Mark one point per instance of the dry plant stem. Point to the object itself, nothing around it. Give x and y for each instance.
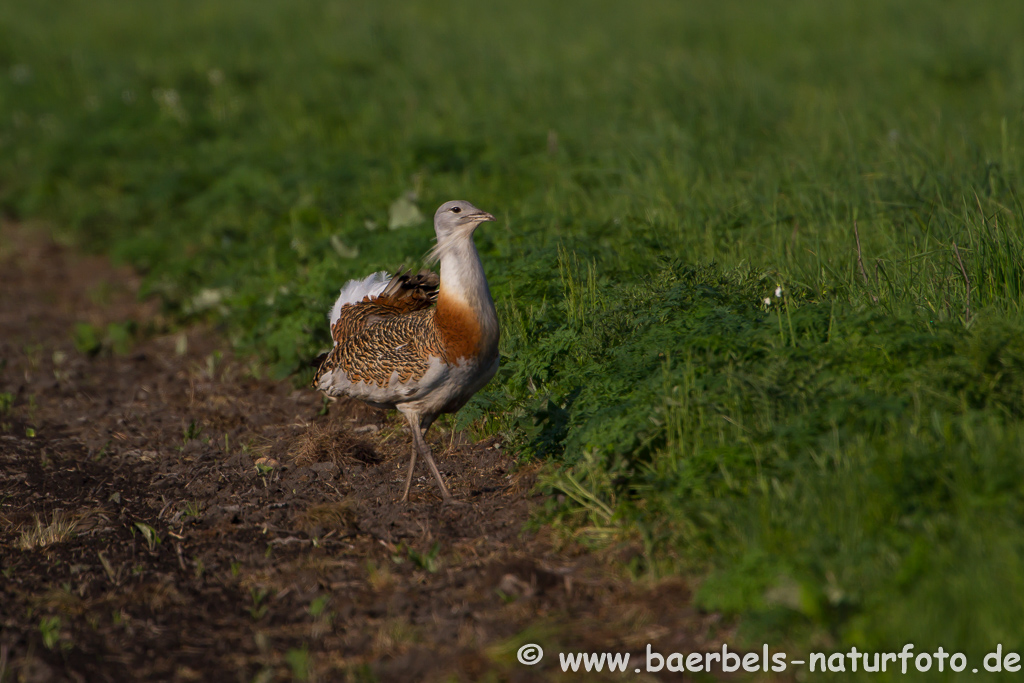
(860, 260)
(967, 281)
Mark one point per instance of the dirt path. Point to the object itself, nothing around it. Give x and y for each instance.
(165, 515)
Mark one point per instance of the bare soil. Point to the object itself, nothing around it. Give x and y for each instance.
(165, 514)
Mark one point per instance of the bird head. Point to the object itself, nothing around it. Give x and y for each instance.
(458, 218)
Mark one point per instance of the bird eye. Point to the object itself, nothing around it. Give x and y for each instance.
(456, 209)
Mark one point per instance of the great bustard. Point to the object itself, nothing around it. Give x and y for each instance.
(404, 342)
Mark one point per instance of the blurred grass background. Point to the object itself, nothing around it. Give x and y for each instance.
(839, 465)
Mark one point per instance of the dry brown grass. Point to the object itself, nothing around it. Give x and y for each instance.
(524, 478)
(394, 636)
(341, 516)
(330, 443)
(61, 527)
(60, 599)
(379, 577)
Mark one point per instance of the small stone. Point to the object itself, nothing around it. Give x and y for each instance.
(511, 584)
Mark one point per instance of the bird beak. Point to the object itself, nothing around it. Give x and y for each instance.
(482, 217)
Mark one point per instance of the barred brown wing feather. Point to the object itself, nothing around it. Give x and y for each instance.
(404, 294)
(396, 346)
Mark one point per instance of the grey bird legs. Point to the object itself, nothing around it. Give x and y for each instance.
(420, 447)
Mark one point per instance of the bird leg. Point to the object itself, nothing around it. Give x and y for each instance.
(408, 477)
(419, 446)
(425, 452)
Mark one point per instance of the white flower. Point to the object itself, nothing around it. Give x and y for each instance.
(778, 291)
(767, 301)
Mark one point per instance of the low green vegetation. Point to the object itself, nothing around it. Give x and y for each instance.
(759, 265)
(116, 338)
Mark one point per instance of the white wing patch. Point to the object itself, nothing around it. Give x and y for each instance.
(355, 290)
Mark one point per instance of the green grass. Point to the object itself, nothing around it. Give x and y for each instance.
(841, 464)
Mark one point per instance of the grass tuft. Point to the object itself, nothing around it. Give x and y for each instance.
(341, 516)
(330, 443)
(38, 535)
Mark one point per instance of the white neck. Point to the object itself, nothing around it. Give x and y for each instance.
(463, 280)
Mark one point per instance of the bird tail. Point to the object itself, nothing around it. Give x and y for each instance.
(410, 292)
(355, 291)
